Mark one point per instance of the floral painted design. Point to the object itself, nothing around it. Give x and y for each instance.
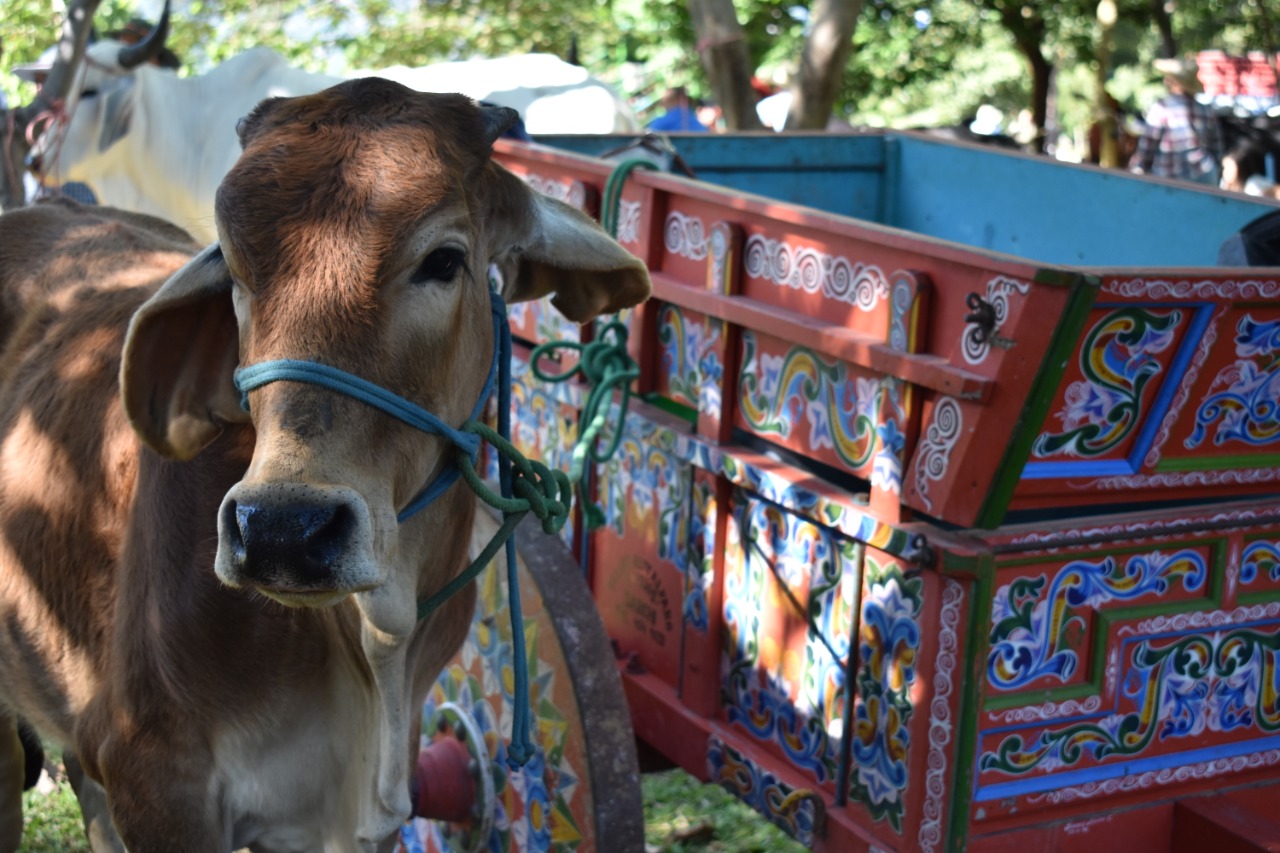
(691, 359)
(1174, 689)
(795, 702)
(643, 479)
(778, 393)
(1029, 634)
(1119, 357)
(702, 552)
(548, 323)
(1247, 410)
(1261, 559)
(890, 642)
(541, 427)
(774, 695)
(781, 804)
(886, 473)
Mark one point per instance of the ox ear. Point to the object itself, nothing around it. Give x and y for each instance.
(568, 254)
(179, 357)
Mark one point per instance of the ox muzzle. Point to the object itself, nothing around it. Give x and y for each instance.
(312, 545)
(296, 543)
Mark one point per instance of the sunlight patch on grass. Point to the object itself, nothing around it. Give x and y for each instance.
(683, 815)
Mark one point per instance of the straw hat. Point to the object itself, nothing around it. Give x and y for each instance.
(34, 71)
(1185, 71)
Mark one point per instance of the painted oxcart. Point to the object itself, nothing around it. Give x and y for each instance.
(947, 516)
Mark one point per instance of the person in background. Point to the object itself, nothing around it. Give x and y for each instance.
(1181, 138)
(711, 116)
(1121, 121)
(1244, 169)
(679, 113)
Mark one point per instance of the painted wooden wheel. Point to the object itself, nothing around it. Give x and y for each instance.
(581, 790)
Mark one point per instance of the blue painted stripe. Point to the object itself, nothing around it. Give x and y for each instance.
(1054, 781)
(1087, 468)
(1201, 313)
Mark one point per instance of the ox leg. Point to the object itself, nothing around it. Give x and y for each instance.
(13, 764)
(98, 827)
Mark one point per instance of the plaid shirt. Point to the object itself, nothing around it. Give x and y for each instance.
(1180, 140)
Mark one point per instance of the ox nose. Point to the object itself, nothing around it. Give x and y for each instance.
(288, 545)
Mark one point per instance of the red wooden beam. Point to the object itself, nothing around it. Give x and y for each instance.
(927, 371)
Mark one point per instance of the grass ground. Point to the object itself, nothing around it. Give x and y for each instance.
(51, 820)
(682, 815)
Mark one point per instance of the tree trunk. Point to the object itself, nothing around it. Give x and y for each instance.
(826, 51)
(1041, 71)
(1104, 115)
(1164, 24)
(722, 47)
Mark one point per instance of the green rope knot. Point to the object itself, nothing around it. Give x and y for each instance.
(605, 366)
(536, 488)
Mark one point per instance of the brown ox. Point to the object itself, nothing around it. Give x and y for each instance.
(270, 705)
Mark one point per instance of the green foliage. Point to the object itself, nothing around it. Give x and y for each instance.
(676, 805)
(893, 79)
(51, 822)
(915, 62)
(27, 30)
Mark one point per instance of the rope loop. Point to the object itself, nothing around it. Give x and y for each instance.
(605, 366)
(612, 201)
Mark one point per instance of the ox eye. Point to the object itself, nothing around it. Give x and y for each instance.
(89, 93)
(442, 265)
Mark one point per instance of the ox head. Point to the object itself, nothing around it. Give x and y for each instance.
(97, 102)
(356, 231)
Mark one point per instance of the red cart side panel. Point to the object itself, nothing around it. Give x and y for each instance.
(1171, 394)
(820, 408)
(1139, 667)
(642, 555)
(827, 285)
(794, 594)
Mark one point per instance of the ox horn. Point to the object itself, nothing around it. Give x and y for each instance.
(149, 48)
(497, 120)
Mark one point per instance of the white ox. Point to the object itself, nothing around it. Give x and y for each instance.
(147, 140)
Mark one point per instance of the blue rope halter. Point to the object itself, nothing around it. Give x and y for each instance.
(293, 370)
